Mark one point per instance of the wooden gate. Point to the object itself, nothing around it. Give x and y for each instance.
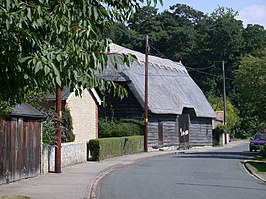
(19, 149)
(183, 123)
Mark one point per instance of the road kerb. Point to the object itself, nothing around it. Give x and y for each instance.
(251, 172)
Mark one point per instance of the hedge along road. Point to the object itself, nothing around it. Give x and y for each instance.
(217, 174)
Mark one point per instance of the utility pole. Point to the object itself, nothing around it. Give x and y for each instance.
(59, 130)
(146, 95)
(224, 96)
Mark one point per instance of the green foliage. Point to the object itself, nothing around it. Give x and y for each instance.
(110, 147)
(254, 37)
(67, 130)
(5, 109)
(257, 167)
(232, 114)
(262, 152)
(120, 128)
(201, 42)
(216, 134)
(220, 129)
(251, 84)
(49, 128)
(93, 147)
(14, 197)
(248, 126)
(49, 44)
(182, 33)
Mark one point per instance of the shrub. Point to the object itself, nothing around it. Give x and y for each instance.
(262, 152)
(216, 134)
(67, 127)
(232, 113)
(110, 147)
(247, 127)
(50, 127)
(120, 128)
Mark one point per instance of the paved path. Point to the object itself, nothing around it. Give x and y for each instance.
(75, 181)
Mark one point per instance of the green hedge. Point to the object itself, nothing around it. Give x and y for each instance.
(104, 148)
(120, 128)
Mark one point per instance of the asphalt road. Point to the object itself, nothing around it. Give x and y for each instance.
(216, 174)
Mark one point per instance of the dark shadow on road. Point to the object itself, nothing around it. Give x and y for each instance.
(220, 186)
(245, 155)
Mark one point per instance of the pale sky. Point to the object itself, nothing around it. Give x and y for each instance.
(250, 11)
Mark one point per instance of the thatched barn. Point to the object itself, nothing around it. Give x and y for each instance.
(179, 113)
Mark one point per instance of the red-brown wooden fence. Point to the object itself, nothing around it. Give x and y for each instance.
(20, 147)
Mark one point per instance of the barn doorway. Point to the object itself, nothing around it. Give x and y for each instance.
(160, 134)
(183, 123)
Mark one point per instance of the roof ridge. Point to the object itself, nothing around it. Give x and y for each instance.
(166, 63)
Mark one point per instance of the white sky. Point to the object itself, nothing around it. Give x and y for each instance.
(250, 11)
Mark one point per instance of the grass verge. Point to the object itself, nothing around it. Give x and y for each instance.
(14, 197)
(257, 167)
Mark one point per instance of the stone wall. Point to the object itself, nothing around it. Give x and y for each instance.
(71, 153)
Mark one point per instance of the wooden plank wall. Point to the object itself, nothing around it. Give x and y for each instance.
(169, 126)
(170, 130)
(19, 149)
(200, 133)
(153, 134)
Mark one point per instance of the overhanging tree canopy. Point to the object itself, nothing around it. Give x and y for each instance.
(47, 44)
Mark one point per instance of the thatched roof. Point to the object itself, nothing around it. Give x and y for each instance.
(171, 89)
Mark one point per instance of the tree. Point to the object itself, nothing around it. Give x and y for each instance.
(222, 41)
(199, 40)
(232, 114)
(251, 84)
(49, 44)
(254, 38)
(172, 32)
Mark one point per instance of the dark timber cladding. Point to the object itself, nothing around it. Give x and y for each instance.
(200, 133)
(126, 108)
(20, 137)
(172, 95)
(163, 130)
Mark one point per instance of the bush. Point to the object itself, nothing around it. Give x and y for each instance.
(50, 127)
(216, 134)
(262, 152)
(104, 148)
(120, 128)
(247, 127)
(67, 127)
(232, 113)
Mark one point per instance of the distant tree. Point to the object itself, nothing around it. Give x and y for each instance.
(254, 37)
(200, 41)
(232, 113)
(251, 84)
(222, 41)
